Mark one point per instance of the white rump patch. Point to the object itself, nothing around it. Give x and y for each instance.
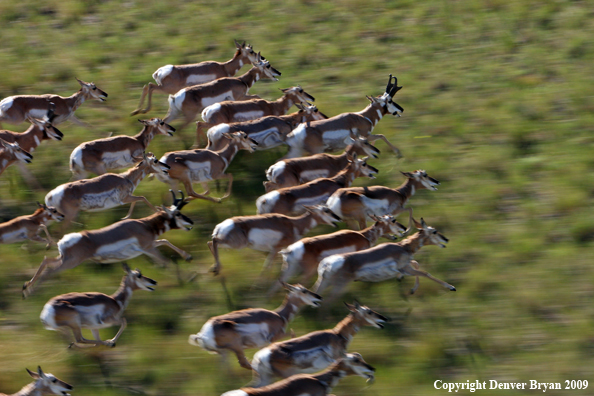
(208, 112)
(47, 317)
(195, 79)
(297, 136)
(333, 204)
(205, 339)
(68, 240)
(76, 159)
(6, 104)
(264, 239)
(261, 360)
(223, 229)
(176, 100)
(215, 133)
(237, 392)
(266, 202)
(294, 253)
(161, 73)
(330, 264)
(275, 170)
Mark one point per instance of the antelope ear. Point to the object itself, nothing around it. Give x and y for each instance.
(370, 98)
(350, 307)
(418, 225)
(126, 268)
(423, 224)
(237, 44)
(82, 83)
(408, 174)
(40, 372)
(33, 375)
(143, 122)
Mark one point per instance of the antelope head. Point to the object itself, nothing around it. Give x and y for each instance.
(154, 165)
(161, 127)
(363, 147)
(179, 220)
(362, 167)
(323, 214)
(242, 140)
(49, 131)
(310, 112)
(17, 151)
(306, 296)
(264, 66)
(48, 384)
(396, 230)
(354, 364)
(385, 100)
(366, 315)
(299, 94)
(422, 178)
(90, 90)
(432, 237)
(247, 51)
(136, 280)
(51, 212)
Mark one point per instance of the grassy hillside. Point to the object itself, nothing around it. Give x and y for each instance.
(499, 107)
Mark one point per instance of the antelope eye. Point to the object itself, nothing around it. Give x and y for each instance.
(435, 232)
(54, 380)
(139, 275)
(94, 88)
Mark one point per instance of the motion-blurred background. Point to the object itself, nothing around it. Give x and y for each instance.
(499, 103)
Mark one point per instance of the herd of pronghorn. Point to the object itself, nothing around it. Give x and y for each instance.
(301, 192)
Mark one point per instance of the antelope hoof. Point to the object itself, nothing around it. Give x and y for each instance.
(25, 292)
(412, 291)
(214, 269)
(47, 247)
(110, 343)
(188, 258)
(453, 288)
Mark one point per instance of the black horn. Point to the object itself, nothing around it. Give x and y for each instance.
(178, 202)
(395, 87)
(389, 86)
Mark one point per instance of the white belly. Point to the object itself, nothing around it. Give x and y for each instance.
(254, 335)
(195, 79)
(309, 201)
(37, 113)
(216, 99)
(117, 159)
(102, 201)
(91, 317)
(309, 175)
(199, 171)
(378, 271)
(121, 250)
(312, 360)
(378, 207)
(268, 138)
(336, 139)
(248, 115)
(341, 250)
(14, 236)
(264, 239)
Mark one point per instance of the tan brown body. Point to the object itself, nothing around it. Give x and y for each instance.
(94, 311)
(295, 171)
(170, 79)
(291, 200)
(118, 242)
(253, 327)
(314, 351)
(45, 384)
(28, 227)
(16, 109)
(117, 152)
(268, 232)
(358, 203)
(202, 165)
(192, 100)
(379, 263)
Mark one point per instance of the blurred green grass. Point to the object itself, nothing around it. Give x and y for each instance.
(498, 107)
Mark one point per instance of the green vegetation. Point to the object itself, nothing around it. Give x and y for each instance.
(499, 106)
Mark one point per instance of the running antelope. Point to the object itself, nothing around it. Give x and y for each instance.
(359, 203)
(380, 263)
(94, 311)
(120, 241)
(269, 131)
(254, 327)
(12, 152)
(296, 171)
(28, 227)
(234, 111)
(320, 384)
(105, 191)
(45, 384)
(334, 133)
(191, 166)
(291, 199)
(314, 351)
(40, 130)
(269, 233)
(170, 79)
(16, 109)
(192, 100)
(103, 155)
(304, 256)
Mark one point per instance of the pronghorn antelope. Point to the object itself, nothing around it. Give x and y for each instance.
(102, 155)
(314, 351)
(45, 384)
(40, 129)
(120, 241)
(170, 79)
(304, 255)
(269, 131)
(268, 233)
(292, 199)
(191, 166)
(295, 171)
(12, 152)
(319, 384)
(234, 111)
(334, 133)
(254, 327)
(94, 311)
(192, 100)
(28, 227)
(358, 203)
(379, 263)
(16, 109)
(105, 191)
